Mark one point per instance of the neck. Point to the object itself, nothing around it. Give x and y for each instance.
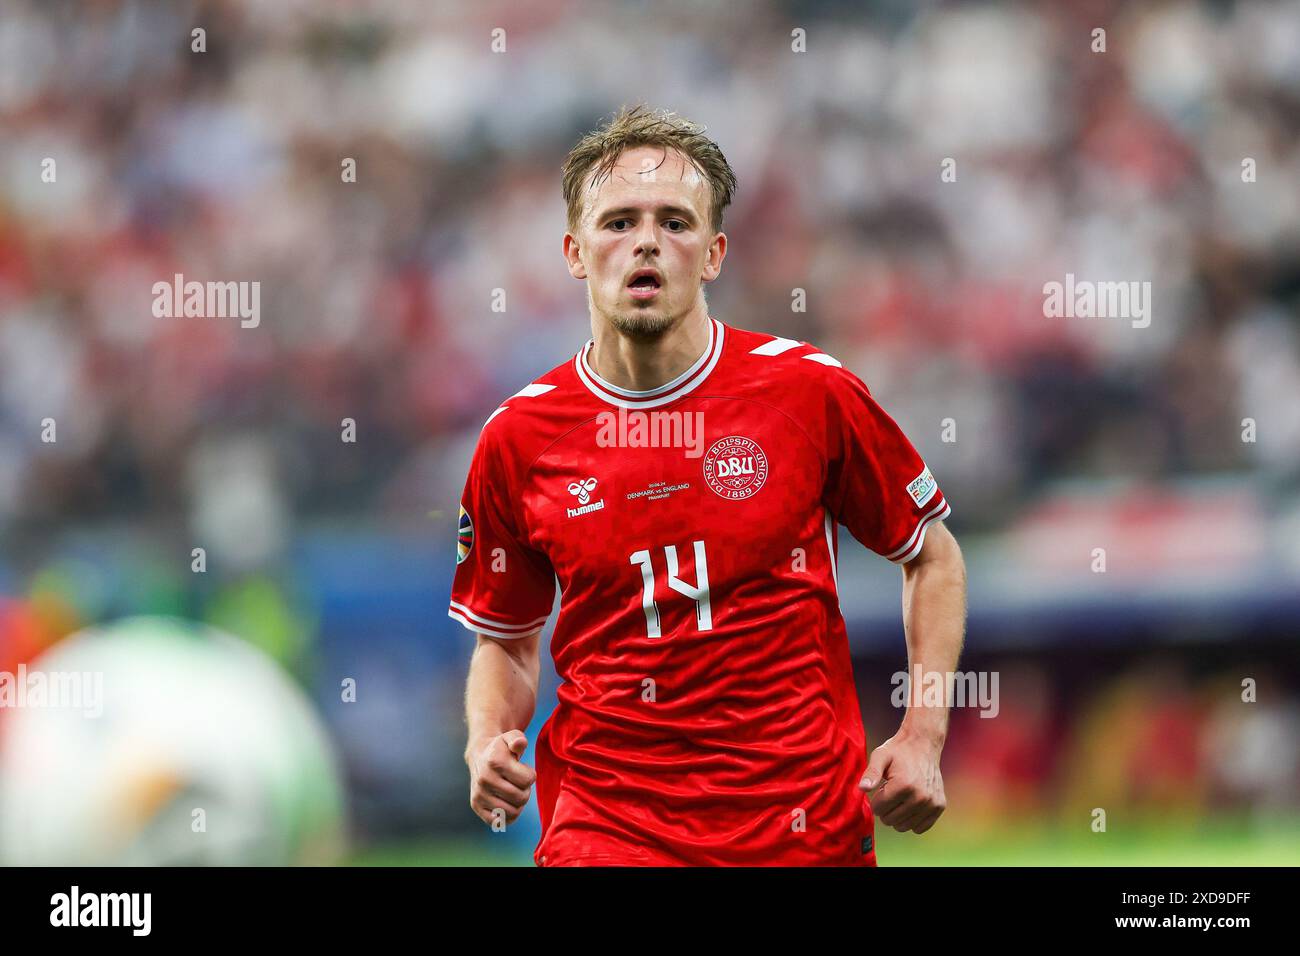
(642, 364)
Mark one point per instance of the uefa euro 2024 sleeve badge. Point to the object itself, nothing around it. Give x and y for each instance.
(464, 536)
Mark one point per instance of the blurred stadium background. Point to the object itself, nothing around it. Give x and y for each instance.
(1120, 690)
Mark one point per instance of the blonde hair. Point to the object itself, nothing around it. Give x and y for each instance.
(641, 126)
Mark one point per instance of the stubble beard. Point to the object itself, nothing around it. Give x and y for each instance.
(643, 326)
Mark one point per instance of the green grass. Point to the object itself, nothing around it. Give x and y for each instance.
(1225, 842)
(1220, 842)
(440, 853)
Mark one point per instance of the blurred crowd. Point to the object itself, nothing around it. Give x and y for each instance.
(920, 172)
(377, 295)
(1151, 741)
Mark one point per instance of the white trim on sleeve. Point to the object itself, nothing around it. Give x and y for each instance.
(486, 625)
(913, 545)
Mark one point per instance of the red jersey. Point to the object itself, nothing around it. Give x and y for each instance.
(707, 712)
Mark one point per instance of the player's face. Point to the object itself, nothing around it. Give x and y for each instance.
(651, 213)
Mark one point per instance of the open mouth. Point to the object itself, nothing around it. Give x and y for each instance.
(643, 286)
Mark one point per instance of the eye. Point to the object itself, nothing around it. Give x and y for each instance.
(678, 222)
(615, 222)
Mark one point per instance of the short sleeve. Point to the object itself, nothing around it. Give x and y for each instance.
(502, 587)
(877, 485)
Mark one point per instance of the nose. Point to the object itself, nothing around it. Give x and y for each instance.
(647, 239)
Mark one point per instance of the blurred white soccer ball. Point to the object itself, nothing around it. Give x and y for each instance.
(204, 753)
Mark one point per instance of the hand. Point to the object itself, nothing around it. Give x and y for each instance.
(497, 779)
(904, 783)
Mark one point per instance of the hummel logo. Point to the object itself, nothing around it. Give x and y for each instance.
(583, 490)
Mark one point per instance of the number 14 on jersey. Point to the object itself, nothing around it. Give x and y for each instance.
(699, 592)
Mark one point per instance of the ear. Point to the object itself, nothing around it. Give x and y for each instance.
(573, 256)
(713, 260)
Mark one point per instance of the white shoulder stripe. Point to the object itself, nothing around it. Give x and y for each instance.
(779, 346)
(775, 346)
(533, 390)
(824, 359)
(528, 391)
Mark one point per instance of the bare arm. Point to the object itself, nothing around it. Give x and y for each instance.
(501, 691)
(903, 773)
(934, 623)
(500, 697)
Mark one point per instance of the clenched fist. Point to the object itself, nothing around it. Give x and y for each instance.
(904, 783)
(499, 784)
